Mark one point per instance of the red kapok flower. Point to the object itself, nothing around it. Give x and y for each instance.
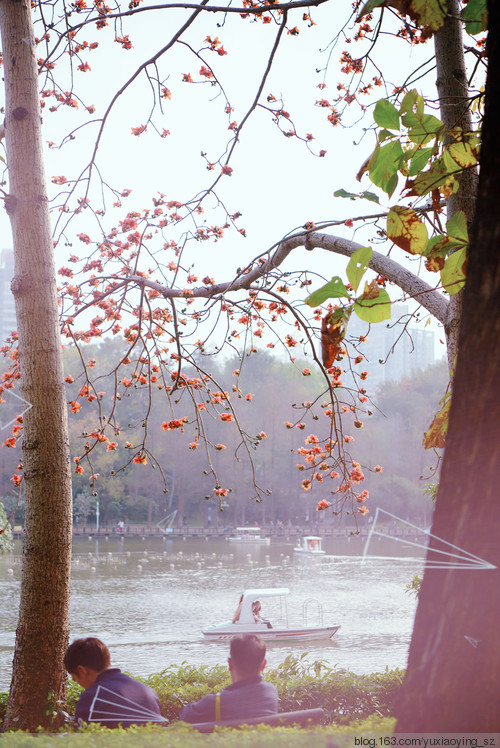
(323, 504)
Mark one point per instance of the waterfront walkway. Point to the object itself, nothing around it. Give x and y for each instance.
(276, 532)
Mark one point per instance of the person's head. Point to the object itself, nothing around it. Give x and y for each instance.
(247, 656)
(85, 659)
(256, 606)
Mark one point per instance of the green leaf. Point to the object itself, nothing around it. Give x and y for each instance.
(384, 164)
(335, 289)
(450, 163)
(392, 184)
(419, 160)
(370, 196)
(340, 316)
(386, 115)
(412, 102)
(456, 237)
(374, 310)
(424, 129)
(457, 227)
(355, 196)
(344, 193)
(384, 135)
(369, 6)
(405, 229)
(475, 15)
(452, 275)
(358, 265)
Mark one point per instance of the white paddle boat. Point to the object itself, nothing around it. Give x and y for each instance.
(247, 620)
(309, 547)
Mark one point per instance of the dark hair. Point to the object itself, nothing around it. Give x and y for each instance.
(90, 652)
(247, 652)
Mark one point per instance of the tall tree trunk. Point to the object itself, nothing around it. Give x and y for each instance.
(453, 95)
(39, 679)
(452, 678)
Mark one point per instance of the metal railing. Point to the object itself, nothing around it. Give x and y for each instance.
(285, 532)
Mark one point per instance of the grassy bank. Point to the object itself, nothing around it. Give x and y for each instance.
(276, 737)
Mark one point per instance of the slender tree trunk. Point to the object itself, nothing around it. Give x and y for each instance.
(453, 94)
(39, 680)
(452, 678)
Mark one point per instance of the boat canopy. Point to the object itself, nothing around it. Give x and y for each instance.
(309, 544)
(250, 596)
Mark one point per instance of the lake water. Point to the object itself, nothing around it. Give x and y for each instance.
(149, 600)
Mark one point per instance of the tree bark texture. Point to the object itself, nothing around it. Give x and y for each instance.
(453, 94)
(39, 679)
(454, 661)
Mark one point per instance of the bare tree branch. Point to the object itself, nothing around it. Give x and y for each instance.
(255, 11)
(411, 284)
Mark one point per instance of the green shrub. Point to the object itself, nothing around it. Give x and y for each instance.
(301, 685)
(344, 696)
(180, 684)
(3, 705)
(6, 539)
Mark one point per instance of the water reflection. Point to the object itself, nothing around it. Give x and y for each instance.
(150, 599)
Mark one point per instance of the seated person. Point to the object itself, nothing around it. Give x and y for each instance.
(256, 608)
(247, 696)
(111, 698)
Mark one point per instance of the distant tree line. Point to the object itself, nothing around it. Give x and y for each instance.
(391, 437)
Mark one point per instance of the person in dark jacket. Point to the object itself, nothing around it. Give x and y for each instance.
(247, 696)
(111, 698)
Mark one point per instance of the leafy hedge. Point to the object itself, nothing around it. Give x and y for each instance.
(301, 685)
(343, 695)
(6, 538)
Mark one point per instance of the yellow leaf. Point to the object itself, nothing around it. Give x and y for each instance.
(449, 187)
(372, 291)
(435, 436)
(428, 13)
(405, 229)
(463, 154)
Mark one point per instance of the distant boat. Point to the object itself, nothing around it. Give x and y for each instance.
(309, 547)
(249, 535)
(244, 621)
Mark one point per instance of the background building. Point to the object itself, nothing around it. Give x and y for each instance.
(394, 349)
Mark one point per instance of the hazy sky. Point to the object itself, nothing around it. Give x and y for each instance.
(277, 184)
